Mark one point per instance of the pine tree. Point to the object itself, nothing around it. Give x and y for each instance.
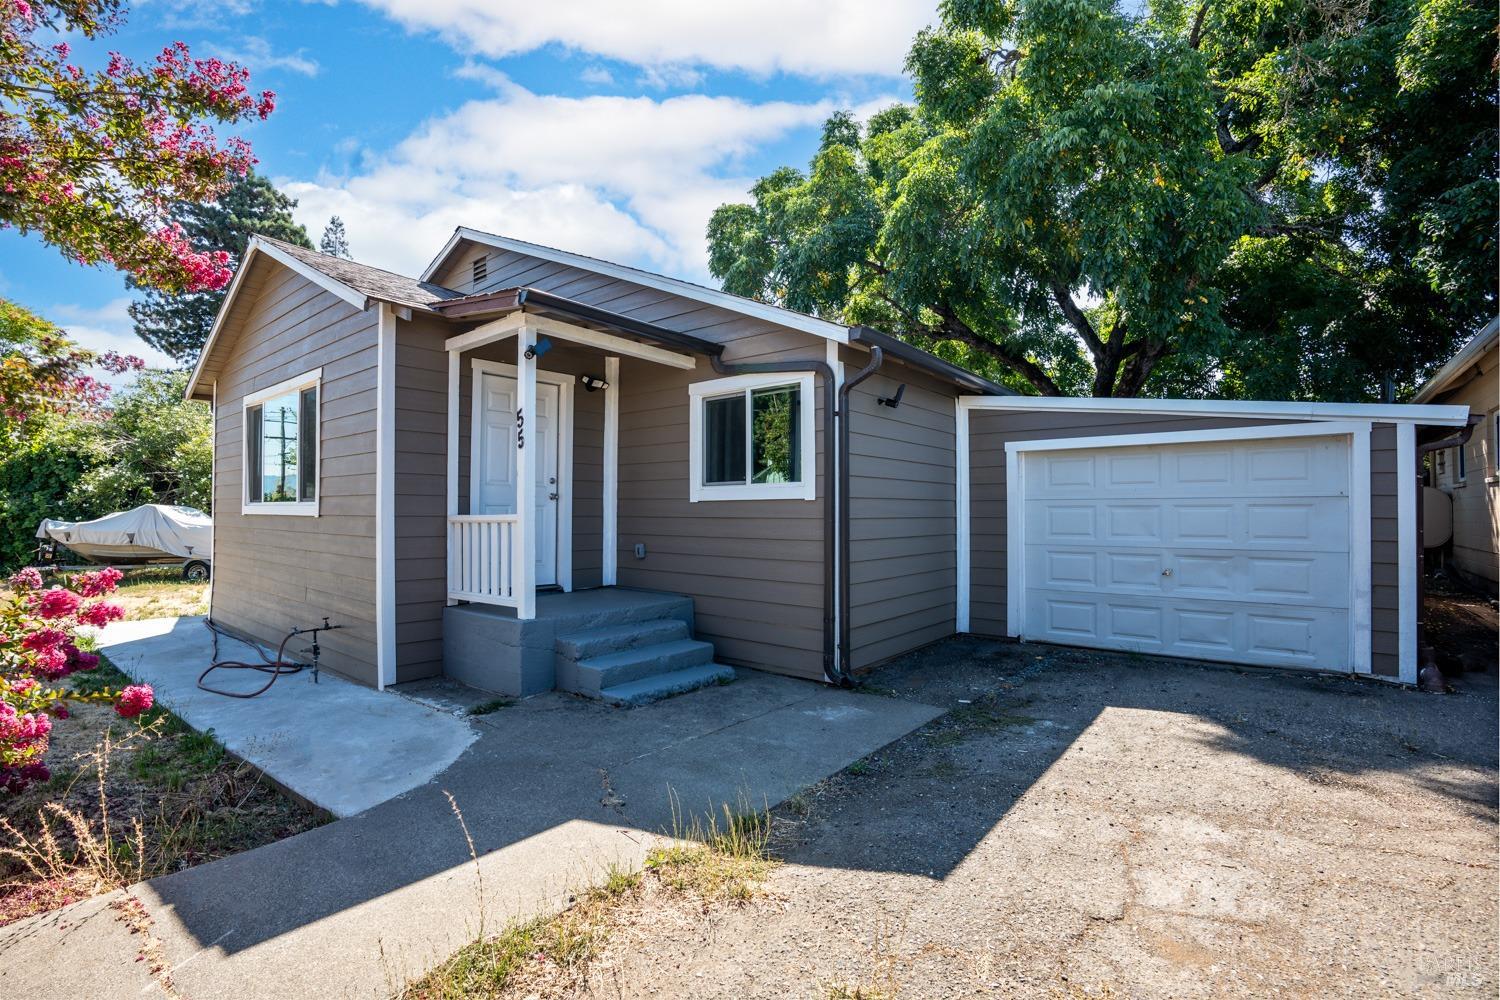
(335, 241)
(178, 325)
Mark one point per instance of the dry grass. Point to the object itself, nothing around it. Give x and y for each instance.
(131, 800)
(705, 863)
(150, 592)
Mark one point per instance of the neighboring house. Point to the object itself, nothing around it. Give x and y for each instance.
(718, 481)
(1468, 473)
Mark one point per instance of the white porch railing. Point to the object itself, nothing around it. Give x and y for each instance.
(479, 558)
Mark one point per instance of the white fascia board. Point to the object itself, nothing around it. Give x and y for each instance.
(1453, 416)
(660, 282)
(1484, 340)
(1255, 433)
(256, 247)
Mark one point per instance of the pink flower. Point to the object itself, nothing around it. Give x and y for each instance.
(134, 700)
(102, 581)
(44, 638)
(29, 578)
(100, 614)
(51, 663)
(57, 603)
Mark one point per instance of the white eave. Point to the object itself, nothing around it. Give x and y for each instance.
(255, 248)
(1484, 340)
(1447, 416)
(698, 293)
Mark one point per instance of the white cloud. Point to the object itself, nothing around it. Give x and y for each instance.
(624, 178)
(597, 75)
(824, 39)
(256, 54)
(107, 327)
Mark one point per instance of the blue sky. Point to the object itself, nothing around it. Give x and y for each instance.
(604, 127)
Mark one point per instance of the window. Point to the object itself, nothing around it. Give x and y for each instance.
(752, 438)
(281, 447)
(1460, 464)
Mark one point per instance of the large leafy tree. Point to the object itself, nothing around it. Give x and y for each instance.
(177, 323)
(92, 159)
(1220, 198)
(43, 373)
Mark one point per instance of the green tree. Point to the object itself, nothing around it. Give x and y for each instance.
(335, 241)
(156, 448)
(178, 324)
(1191, 199)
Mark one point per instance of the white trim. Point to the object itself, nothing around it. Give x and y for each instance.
(1406, 554)
(564, 444)
(963, 542)
(831, 495)
(452, 459)
(296, 508)
(1328, 429)
(385, 498)
(805, 489)
(523, 571)
(213, 488)
(660, 282)
(609, 342)
(1358, 433)
(609, 564)
(1455, 416)
(1361, 612)
(256, 247)
(495, 329)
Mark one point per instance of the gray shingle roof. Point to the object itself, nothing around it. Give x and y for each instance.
(373, 282)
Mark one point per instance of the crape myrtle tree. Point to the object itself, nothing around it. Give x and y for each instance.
(1249, 197)
(93, 159)
(177, 322)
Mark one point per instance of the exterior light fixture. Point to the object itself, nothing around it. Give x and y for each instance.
(591, 382)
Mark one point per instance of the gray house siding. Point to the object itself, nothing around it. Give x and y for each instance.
(754, 568)
(902, 510)
(273, 572)
(990, 431)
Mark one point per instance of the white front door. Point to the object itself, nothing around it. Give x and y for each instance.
(1232, 550)
(495, 397)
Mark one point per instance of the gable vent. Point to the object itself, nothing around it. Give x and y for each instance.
(481, 269)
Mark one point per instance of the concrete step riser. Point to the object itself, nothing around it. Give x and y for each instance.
(655, 688)
(598, 673)
(614, 638)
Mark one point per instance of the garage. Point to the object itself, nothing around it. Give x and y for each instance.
(1222, 550)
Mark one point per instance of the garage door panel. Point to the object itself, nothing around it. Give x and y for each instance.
(1235, 551)
(1292, 467)
(1317, 523)
(1275, 634)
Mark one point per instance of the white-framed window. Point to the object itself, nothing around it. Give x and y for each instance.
(282, 439)
(751, 437)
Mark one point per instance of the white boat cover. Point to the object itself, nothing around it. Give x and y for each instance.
(176, 531)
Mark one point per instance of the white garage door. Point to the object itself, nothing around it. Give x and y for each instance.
(1230, 550)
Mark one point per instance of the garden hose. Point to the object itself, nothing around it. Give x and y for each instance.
(276, 668)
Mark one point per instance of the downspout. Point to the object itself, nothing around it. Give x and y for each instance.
(877, 358)
(1429, 676)
(830, 665)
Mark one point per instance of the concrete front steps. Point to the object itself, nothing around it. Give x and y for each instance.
(625, 647)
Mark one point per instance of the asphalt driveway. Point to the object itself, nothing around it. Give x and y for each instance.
(1098, 825)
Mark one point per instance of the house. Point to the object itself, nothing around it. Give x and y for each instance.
(1467, 472)
(527, 468)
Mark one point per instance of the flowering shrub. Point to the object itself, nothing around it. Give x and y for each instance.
(95, 151)
(38, 648)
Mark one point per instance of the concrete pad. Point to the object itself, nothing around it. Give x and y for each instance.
(337, 744)
(554, 791)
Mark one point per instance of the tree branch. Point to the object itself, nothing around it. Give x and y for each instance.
(954, 328)
(1196, 36)
(1077, 318)
(1227, 142)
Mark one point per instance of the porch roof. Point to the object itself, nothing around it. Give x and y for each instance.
(538, 302)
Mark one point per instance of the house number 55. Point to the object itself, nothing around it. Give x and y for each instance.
(520, 429)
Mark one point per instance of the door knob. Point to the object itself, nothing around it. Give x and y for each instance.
(1166, 572)
(551, 496)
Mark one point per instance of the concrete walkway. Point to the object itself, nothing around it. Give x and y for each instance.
(554, 790)
(340, 745)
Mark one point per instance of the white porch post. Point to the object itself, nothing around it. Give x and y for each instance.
(611, 532)
(453, 366)
(524, 552)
